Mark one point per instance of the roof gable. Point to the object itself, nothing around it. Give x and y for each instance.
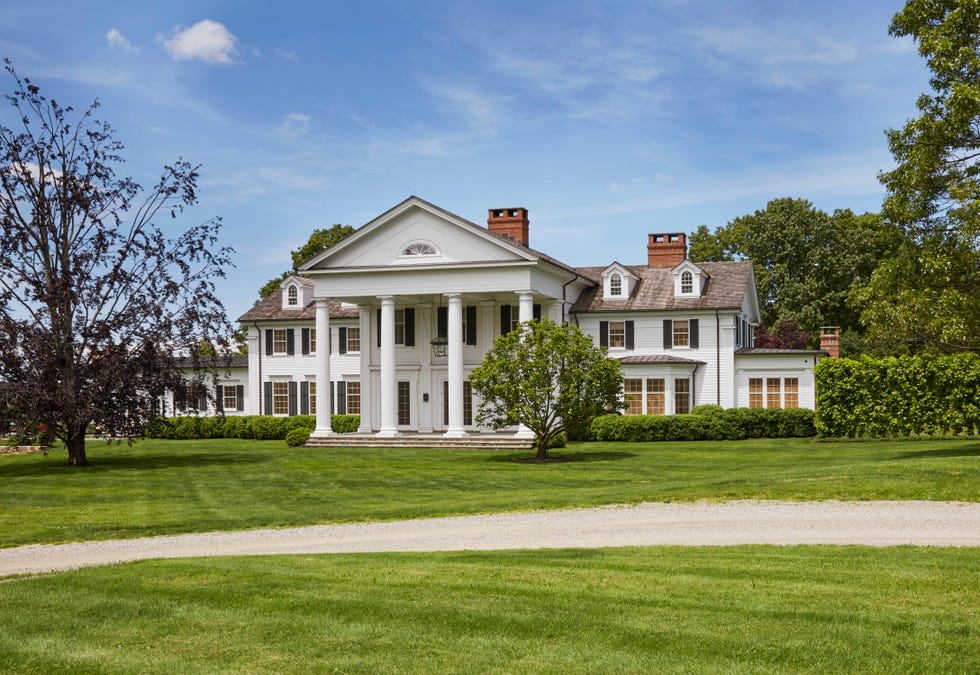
(417, 233)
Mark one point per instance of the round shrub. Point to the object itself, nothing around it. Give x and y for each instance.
(298, 437)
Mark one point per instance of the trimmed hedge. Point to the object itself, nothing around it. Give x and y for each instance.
(898, 396)
(298, 437)
(259, 427)
(706, 423)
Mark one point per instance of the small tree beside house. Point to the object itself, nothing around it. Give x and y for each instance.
(548, 377)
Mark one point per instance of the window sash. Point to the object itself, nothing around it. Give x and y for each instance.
(312, 344)
(279, 341)
(682, 334)
(633, 391)
(617, 334)
(656, 399)
(229, 398)
(791, 392)
(280, 398)
(687, 282)
(353, 398)
(399, 326)
(615, 285)
(354, 341)
(773, 392)
(312, 396)
(755, 392)
(682, 396)
(404, 403)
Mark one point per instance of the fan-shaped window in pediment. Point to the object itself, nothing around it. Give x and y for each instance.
(417, 248)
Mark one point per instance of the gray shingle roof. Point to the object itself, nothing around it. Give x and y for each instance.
(270, 309)
(765, 351)
(725, 289)
(656, 358)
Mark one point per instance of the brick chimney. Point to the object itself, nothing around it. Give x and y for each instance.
(830, 340)
(666, 250)
(512, 223)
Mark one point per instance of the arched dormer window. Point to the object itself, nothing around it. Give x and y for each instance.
(687, 282)
(615, 285)
(419, 248)
(292, 296)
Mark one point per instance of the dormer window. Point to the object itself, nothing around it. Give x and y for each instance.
(687, 282)
(292, 296)
(615, 285)
(419, 248)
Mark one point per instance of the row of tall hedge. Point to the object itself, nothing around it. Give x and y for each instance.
(706, 423)
(258, 427)
(898, 396)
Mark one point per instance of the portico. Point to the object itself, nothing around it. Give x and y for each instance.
(432, 292)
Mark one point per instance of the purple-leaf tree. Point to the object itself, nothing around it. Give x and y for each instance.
(98, 303)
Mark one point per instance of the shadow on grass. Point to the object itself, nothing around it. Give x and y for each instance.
(971, 450)
(562, 457)
(57, 462)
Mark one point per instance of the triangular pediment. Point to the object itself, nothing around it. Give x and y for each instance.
(417, 233)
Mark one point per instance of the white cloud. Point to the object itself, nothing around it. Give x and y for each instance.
(118, 41)
(295, 124)
(207, 41)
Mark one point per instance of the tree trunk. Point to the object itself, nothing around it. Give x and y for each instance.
(542, 446)
(76, 450)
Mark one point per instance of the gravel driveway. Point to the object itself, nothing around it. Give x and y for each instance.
(880, 523)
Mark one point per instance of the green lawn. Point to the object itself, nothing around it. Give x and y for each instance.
(757, 609)
(158, 487)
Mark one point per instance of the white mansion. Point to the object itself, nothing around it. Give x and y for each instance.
(388, 323)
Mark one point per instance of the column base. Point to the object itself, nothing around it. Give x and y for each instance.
(387, 433)
(321, 433)
(455, 433)
(523, 432)
(364, 429)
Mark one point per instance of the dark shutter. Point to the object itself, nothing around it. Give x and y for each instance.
(292, 398)
(202, 398)
(268, 342)
(180, 398)
(629, 335)
(332, 408)
(603, 333)
(219, 400)
(304, 398)
(442, 322)
(668, 334)
(536, 311)
(240, 396)
(693, 327)
(290, 335)
(268, 399)
(305, 341)
(341, 397)
(471, 325)
(342, 340)
(409, 326)
(378, 313)
(504, 319)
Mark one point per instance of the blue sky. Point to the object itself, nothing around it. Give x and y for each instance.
(607, 120)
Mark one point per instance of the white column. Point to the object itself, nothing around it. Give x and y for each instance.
(423, 338)
(323, 403)
(455, 370)
(526, 313)
(388, 391)
(367, 401)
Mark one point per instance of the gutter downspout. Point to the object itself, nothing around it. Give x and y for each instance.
(258, 394)
(717, 358)
(694, 395)
(564, 298)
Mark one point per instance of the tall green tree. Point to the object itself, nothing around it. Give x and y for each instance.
(319, 241)
(928, 297)
(806, 261)
(98, 297)
(547, 376)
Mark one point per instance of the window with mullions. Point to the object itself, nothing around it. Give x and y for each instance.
(280, 398)
(773, 393)
(682, 396)
(633, 391)
(682, 333)
(791, 392)
(615, 285)
(292, 296)
(655, 396)
(353, 398)
(229, 398)
(353, 340)
(404, 403)
(617, 334)
(687, 282)
(279, 341)
(467, 403)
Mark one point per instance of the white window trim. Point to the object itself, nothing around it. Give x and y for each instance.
(423, 248)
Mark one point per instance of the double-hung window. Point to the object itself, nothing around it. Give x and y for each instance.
(279, 341)
(682, 333)
(353, 340)
(617, 334)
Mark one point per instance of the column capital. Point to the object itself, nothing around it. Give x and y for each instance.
(321, 301)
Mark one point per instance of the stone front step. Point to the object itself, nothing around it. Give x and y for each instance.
(474, 441)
